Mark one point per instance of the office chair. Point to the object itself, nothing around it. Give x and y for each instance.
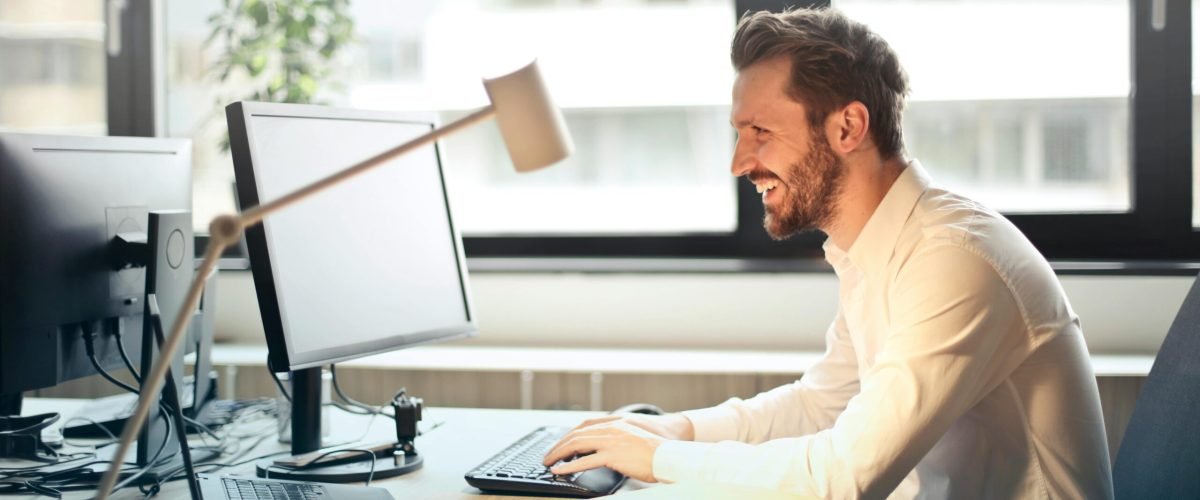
(1160, 453)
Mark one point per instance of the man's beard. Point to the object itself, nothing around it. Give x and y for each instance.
(813, 186)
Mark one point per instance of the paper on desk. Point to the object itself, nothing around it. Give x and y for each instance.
(702, 490)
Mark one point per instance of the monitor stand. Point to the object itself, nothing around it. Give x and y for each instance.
(306, 438)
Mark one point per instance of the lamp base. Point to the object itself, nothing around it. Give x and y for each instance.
(353, 472)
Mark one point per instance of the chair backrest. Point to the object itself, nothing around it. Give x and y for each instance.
(1160, 453)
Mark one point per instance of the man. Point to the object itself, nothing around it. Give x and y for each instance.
(955, 367)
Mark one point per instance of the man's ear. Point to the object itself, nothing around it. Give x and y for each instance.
(848, 128)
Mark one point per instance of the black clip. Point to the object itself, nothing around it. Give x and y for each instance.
(408, 413)
(21, 437)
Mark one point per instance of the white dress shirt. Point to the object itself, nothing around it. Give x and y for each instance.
(955, 368)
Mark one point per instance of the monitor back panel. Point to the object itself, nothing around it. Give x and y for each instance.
(62, 199)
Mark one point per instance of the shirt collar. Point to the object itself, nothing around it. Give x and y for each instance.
(875, 244)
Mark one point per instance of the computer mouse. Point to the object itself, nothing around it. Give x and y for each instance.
(643, 408)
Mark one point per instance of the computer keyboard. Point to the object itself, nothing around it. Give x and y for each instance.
(215, 487)
(518, 468)
(253, 489)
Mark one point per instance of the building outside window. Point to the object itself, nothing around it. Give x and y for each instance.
(644, 87)
(53, 54)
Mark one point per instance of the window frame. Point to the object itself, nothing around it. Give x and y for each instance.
(1157, 229)
(1158, 226)
(134, 75)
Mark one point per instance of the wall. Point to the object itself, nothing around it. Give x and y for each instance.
(717, 311)
(740, 311)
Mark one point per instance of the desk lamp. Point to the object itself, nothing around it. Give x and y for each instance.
(533, 132)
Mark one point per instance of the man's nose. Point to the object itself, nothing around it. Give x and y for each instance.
(743, 159)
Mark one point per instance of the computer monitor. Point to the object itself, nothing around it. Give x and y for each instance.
(62, 201)
(373, 265)
(77, 215)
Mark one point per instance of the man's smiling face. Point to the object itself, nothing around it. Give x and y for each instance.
(790, 162)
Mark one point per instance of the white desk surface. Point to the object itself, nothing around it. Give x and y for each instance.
(466, 439)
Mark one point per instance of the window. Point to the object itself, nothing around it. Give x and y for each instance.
(53, 74)
(650, 119)
(1072, 117)
(1035, 122)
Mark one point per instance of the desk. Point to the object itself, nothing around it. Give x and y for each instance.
(466, 439)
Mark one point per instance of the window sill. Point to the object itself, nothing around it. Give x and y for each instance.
(614, 361)
(665, 265)
(723, 266)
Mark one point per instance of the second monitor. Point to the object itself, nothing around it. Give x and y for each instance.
(373, 266)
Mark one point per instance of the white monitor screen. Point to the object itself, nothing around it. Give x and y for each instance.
(369, 265)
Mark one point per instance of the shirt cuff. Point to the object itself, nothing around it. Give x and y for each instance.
(711, 425)
(676, 461)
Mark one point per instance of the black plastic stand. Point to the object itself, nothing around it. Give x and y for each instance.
(353, 472)
(306, 410)
(306, 437)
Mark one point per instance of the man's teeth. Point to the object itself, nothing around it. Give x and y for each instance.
(766, 186)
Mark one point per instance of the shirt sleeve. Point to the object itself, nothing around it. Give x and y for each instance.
(955, 332)
(802, 407)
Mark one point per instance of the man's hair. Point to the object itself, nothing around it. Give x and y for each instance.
(835, 61)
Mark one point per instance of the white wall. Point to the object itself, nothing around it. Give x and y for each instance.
(738, 311)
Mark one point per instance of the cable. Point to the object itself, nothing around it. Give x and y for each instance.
(279, 384)
(49, 483)
(42, 490)
(112, 437)
(177, 473)
(204, 429)
(364, 409)
(231, 454)
(153, 461)
(88, 334)
(162, 406)
(125, 356)
(360, 408)
(338, 389)
(370, 455)
(164, 411)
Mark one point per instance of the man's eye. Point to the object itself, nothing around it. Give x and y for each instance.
(758, 130)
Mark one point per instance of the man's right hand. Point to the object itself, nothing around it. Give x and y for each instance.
(624, 442)
(672, 426)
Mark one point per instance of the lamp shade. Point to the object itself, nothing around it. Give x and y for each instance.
(532, 127)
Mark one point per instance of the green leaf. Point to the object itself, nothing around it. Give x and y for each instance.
(257, 64)
(293, 43)
(307, 84)
(275, 84)
(259, 11)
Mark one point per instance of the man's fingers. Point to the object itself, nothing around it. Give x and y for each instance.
(579, 464)
(556, 453)
(589, 423)
(570, 446)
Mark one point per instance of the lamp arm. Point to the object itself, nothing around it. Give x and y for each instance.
(255, 214)
(152, 383)
(224, 231)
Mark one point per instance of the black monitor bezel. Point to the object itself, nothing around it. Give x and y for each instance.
(280, 357)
